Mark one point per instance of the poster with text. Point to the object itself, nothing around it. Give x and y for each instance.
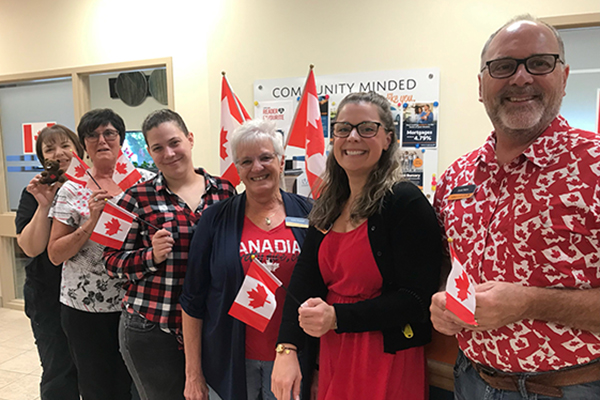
(414, 102)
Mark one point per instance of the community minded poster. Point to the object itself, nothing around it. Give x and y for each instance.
(414, 101)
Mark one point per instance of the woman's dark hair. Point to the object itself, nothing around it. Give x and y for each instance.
(91, 120)
(55, 133)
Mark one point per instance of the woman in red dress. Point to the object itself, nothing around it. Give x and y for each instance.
(368, 268)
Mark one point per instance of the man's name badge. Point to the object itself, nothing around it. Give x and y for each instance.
(296, 222)
(462, 192)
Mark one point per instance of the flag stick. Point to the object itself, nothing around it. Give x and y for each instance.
(87, 171)
(147, 223)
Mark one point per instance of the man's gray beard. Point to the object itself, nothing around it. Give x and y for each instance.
(524, 126)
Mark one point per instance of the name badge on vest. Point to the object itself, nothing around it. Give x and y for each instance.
(462, 192)
(296, 222)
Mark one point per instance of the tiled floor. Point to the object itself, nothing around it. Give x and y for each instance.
(19, 362)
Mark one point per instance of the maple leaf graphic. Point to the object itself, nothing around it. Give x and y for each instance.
(112, 227)
(121, 168)
(462, 284)
(258, 296)
(223, 141)
(79, 171)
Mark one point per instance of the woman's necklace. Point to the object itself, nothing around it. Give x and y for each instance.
(268, 218)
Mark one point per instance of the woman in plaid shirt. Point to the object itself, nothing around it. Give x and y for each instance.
(154, 261)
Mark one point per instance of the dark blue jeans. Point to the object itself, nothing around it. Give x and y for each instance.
(59, 375)
(153, 358)
(468, 385)
(258, 380)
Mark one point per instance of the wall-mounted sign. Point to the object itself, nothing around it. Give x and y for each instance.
(31, 130)
(414, 102)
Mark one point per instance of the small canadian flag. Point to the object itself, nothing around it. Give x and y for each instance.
(460, 291)
(255, 303)
(125, 174)
(113, 226)
(77, 171)
(31, 132)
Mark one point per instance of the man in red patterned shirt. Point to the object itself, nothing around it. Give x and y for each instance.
(527, 230)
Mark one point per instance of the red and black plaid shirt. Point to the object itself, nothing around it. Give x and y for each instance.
(153, 290)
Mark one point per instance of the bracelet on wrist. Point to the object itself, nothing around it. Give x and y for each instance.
(284, 349)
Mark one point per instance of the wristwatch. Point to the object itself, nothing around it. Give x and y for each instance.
(282, 348)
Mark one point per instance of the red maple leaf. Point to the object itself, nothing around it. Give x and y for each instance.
(112, 227)
(223, 141)
(79, 171)
(462, 284)
(258, 297)
(121, 168)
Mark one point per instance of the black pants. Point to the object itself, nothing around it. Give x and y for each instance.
(59, 375)
(94, 343)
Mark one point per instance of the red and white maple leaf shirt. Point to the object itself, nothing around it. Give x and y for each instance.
(532, 222)
(279, 251)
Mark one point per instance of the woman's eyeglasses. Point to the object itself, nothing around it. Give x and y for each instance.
(264, 159)
(109, 135)
(365, 129)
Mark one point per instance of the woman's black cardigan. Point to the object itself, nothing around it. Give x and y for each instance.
(406, 243)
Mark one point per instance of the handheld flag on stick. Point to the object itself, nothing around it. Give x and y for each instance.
(113, 226)
(125, 175)
(460, 291)
(78, 171)
(255, 303)
(233, 114)
(306, 132)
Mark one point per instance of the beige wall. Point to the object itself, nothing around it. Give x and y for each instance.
(259, 39)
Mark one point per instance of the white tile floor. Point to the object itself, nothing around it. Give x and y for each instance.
(20, 367)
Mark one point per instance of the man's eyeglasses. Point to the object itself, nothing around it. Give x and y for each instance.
(109, 135)
(538, 64)
(365, 129)
(264, 159)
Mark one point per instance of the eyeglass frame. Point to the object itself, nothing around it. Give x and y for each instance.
(238, 162)
(524, 62)
(94, 136)
(352, 127)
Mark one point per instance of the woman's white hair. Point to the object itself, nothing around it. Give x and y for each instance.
(256, 130)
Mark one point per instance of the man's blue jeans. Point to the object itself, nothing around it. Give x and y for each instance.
(468, 385)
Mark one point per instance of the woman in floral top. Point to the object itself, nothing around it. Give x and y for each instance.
(90, 299)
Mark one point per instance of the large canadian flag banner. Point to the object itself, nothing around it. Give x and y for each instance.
(233, 114)
(255, 303)
(77, 171)
(31, 131)
(307, 132)
(460, 292)
(113, 226)
(125, 175)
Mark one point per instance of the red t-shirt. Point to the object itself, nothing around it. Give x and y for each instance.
(279, 250)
